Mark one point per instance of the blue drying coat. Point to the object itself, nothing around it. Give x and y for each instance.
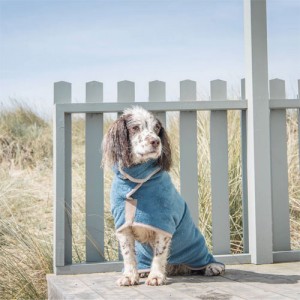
(158, 206)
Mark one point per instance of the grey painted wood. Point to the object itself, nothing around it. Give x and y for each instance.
(188, 151)
(259, 167)
(284, 103)
(228, 259)
(157, 93)
(276, 281)
(126, 91)
(62, 92)
(103, 267)
(234, 259)
(88, 268)
(94, 177)
(219, 171)
(286, 256)
(279, 171)
(154, 106)
(244, 171)
(62, 143)
(94, 92)
(126, 95)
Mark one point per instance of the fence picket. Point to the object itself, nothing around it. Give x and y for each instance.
(279, 170)
(63, 177)
(188, 150)
(94, 177)
(126, 93)
(157, 93)
(219, 172)
(244, 171)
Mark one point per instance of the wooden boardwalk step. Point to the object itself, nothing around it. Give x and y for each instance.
(274, 281)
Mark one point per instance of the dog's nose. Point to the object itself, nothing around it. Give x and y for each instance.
(155, 143)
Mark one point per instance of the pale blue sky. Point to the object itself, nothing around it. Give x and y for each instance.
(78, 41)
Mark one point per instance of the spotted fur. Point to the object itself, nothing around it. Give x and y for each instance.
(136, 137)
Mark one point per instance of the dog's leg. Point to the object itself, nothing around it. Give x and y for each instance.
(157, 275)
(130, 273)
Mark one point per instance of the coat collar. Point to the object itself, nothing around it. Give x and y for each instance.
(140, 171)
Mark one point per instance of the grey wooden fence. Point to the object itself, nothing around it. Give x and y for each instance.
(264, 157)
(94, 109)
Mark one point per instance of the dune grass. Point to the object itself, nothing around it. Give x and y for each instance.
(26, 194)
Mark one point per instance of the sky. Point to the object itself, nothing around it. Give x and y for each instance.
(43, 41)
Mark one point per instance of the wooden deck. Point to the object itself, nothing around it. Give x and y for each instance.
(276, 281)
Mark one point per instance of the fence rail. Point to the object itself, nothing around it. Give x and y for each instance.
(94, 108)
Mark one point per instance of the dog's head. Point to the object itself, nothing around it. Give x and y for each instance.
(136, 137)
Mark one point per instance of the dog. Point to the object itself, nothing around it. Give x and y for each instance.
(156, 233)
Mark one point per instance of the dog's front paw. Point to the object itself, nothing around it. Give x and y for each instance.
(129, 279)
(214, 269)
(156, 279)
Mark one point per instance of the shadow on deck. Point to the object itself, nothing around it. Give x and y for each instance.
(275, 281)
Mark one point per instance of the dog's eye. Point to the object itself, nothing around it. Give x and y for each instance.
(157, 128)
(135, 128)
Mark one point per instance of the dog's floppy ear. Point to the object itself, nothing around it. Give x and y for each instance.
(165, 160)
(116, 145)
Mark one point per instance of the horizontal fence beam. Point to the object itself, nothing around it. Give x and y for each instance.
(88, 268)
(284, 103)
(153, 106)
(286, 256)
(117, 266)
(171, 106)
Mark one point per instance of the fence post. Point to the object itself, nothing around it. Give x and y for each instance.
(219, 171)
(258, 125)
(157, 93)
(188, 151)
(94, 177)
(62, 150)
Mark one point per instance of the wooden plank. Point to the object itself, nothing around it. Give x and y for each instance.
(258, 125)
(126, 95)
(103, 267)
(94, 177)
(126, 91)
(157, 93)
(284, 103)
(234, 259)
(275, 281)
(70, 287)
(244, 171)
(188, 151)
(87, 268)
(219, 172)
(154, 106)
(279, 171)
(286, 256)
(68, 188)
(62, 149)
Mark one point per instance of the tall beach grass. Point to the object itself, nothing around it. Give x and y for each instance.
(26, 194)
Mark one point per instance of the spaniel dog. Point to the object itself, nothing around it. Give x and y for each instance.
(153, 224)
